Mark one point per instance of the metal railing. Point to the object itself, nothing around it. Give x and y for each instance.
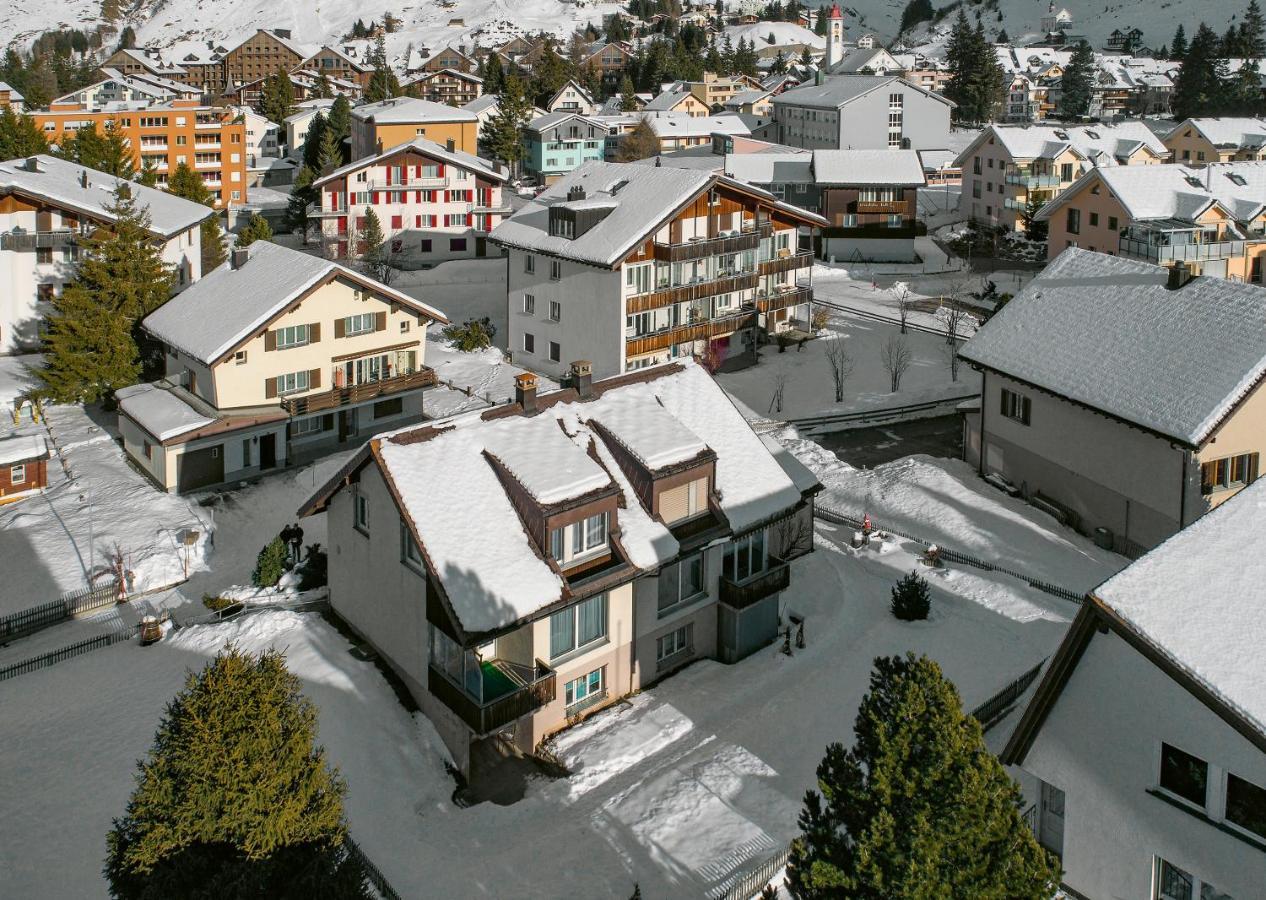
(992, 710)
(1032, 181)
(1180, 252)
(485, 718)
(372, 872)
(750, 883)
(742, 594)
(38, 240)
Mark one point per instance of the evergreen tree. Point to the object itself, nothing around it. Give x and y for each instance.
(919, 807)
(20, 137)
(1178, 48)
(820, 22)
(503, 132)
(911, 598)
(1076, 83)
(339, 121)
(779, 66)
(90, 349)
(1003, 37)
(916, 11)
(255, 229)
(494, 74)
(105, 151)
(640, 143)
(148, 174)
(549, 73)
(977, 80)
(277, 100)
(806, 58)
(383, 84)
(187, 183)
(324, 90)
(628, 102)
(312, 142)
(214, 251)
(1197, 88)
(302, 195)
(270, 564)
(330, 154)
(1253, 32)
(266, 823)
(373, 252)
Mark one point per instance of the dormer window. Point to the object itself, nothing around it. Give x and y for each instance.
(579, 541)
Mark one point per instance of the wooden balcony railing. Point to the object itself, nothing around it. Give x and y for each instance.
(485, 718)
(740, 595)
(697, 249)
(38, 240)
(358, 393)
(784, 299)
(801, 260)
(699, 331)
(687, 292)
(883, 206)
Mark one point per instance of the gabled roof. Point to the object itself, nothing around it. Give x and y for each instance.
(422, 146)
(897, 167)
(666, 101)
(1099, 144)
(227, 306)
(696, 126)
(549, 120)
(1106, 333)
(838, 90)
(571, 85)
(1195, 606)
(1175, 191)
(1226, 131)
(63, 183)
(408, 110)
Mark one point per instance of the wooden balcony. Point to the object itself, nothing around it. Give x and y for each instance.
(358, 393)
(529, 689)
(688, 292)
(740, 595)
(697, 249)
(700, 331)
(38, 240)
(783, 299)
(883, 206)
(789, 263)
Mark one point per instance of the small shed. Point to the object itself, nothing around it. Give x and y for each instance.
(23, 464)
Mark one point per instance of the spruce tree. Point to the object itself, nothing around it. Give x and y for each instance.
(330, 152)
(324, 90)
(494, 74)
(187, 183)
(373, 255)
(214, 252)
(911, 598)
(235, 798)
(103, 150)
(20, 137)
(918, 807)
(270, 563)
(339, 122)
(1197, 88)
(255, 229)
(640, 143)
(312, 142)
(302, 195)
(278, 99)
(628, 102)
(1076, 83)
(90, 347)
(1178, 48)
(148, 175)
(503, 132)
(1253, 32)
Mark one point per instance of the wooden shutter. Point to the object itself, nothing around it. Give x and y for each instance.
(340, 328)
(380, 321)
(314, 332)
(270, 387)
(314, 378)
(270, 340)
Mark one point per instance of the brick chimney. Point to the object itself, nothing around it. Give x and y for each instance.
(582, 378)
(238, 257)
(525, 393)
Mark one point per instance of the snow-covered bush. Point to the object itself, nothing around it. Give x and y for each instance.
(471, 335)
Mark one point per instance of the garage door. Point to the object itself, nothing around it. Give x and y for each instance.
(199, 468)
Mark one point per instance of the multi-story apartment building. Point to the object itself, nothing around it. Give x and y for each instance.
(117, 91)
(1211, 219)
(862, 112)
(138, 61)
(1143, 749)
(264, 53)
(1197, 142)
(714, 91)
(390, 123)
(1121, 397)
(434, 202)
(557, 143)
(870, 201)
(571, 97)
(275, 356)
(209, 139)
(10, 98)
(611, 61)
(450, 86)
(334, 63)
(521, 567)
(47, 206)
(630, 265)
(1009, 168)
(449, 58)
(298, 123)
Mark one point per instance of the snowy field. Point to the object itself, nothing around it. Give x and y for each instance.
(462, 289)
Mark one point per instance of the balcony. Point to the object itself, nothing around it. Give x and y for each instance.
(899, 207)
(1014, 203)
(38, 240)
(784, 299)
(698, 331)
(510, 691)
(742, 594)
(683, 251)
(801, 260)
(1152, 248)
(684, 293)
(358, 393)
(1032, 182)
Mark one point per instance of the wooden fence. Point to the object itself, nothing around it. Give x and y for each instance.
(35, 618)
(55, 656)
(753, 881)
(992, 710)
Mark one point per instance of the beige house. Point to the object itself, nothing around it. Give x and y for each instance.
(1196, 142)
(276, 355)
(1007, 168)
(1123, 398)
(677, 102)
(523, 566)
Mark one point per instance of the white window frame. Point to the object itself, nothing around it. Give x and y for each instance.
(292, 383)
(575, 542)
(361, 323)
(573, 610)
(529, 263)
(529, 342)
(17, 474)
(677, 643)
(360, 511)
(673, 573)
(570, 689)
(292, 336)
(304, 427)
(555, 311)
(529, 304)
(410, 552)
(1016, 406)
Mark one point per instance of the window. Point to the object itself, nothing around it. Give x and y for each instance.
(457, 245)
(638, 279)
(1112, 223)
(975, 165)
(1227, 473)
(1015, 406)
(292, 382)
(680, 582)
(239, 358)
(148, 449)
(410, 553)
(1065, 171)
(358, 324)
(1184, 775)
(586, 687)
(292, 336)
(586, 537)
(529, 304)
(17, 474)
(1094, 220)
(529, 342)
(745, 557)
(579, 625)
(894, 221)
(680, 640)
(1074, 221)
(384, 409)
(360, 511)
(1245, 805)
(529, 264)
(555, 270)
(555, 311)
(555, 351)
(1173, 883)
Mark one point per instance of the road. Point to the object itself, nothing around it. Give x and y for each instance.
(869, 447)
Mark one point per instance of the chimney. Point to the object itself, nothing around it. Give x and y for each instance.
(582, 378)
(83, 178)
(525, 393)
(576, 192)
(1179, 275)
(33, 164)
(450, 145)
(239, 257)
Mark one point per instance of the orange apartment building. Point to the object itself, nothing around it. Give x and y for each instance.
(380, 126)
(209, 139)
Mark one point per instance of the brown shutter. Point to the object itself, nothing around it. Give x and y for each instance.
(380, 321)
(314, 378)
(270, 386)
(340, 328)
(270, 340)
(314, 332)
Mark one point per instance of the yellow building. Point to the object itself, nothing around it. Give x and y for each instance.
(390, 123)
(1197, 142)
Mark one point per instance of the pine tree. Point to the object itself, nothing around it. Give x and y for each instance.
(270, 564)
(255, 229)
(105, 151)
(820, 22)
(1076, 83)
(494, 75)
(339, 121)
(1178, 48)
(779, 66)
(916, 11)
(503, 132)
(214, 251)
(267, 824)
(277, 99)
(919, 807)
(373, 255)
(324, 90)
(90, 348)
(330, 154)
(312, 142)
(640, 143)
(187, 183)
(20, 137)
(1253, 32)
(1197, 88)
(302, 195)
(911, 598)
(628, 102)
(383, 84)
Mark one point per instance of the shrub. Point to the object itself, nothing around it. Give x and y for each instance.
(820, 318)
(270, 565)
(471, 335)
(215, 604)
(911, 598)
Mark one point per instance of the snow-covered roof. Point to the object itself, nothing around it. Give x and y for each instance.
(1199, 599)
(491, 571)
(19, 447)
(666, 101)
(770, 168)
(786, 34)
(409, 110)
(868, 167)
(11, 91)
(1100, 144)
(548, 120)
(859, 58)
(1228, 131)
(744, 97)
(159, 411)
(458, 158)
(63, 183)
(481, 103)
(696, 126)
(1107, 333)
(228, 304)
(1176, 191)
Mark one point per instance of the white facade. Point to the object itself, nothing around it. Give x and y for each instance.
(261, 136)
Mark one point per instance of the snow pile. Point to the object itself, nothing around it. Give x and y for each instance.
(16, 378)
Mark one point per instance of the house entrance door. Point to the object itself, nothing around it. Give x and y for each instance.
(1051, 820)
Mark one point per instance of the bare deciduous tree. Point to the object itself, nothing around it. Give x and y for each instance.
(897, 357)
(901, 291)
(841, 365)
(793, 537)
(780, 385)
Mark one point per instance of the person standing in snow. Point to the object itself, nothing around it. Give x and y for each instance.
(296, 543)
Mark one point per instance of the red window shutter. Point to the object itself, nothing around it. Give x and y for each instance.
(417, 171)
(439, 171)
(446, 196)
(360, 223)
(418, 197)
(333, 199)
(404, 174)
(417, 223)
(397, 221)
(375, 198)
(342, 224)
(388, 174)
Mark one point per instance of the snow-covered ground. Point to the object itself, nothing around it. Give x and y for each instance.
(16, 378)
(485, 374)
(462, 289)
